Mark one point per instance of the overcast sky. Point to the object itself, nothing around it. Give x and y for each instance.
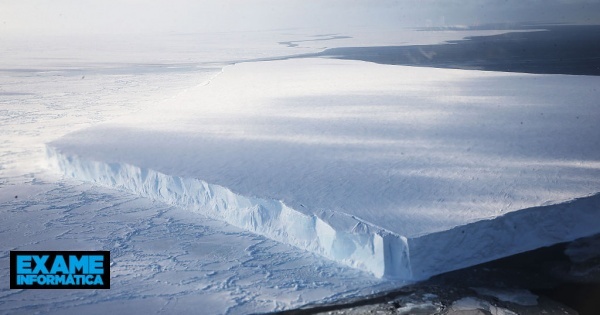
(187, 16)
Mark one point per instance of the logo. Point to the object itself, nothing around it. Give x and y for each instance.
(60, 270)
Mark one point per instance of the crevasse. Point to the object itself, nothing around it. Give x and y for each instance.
(344, 239)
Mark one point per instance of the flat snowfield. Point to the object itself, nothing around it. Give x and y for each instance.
(401, 171)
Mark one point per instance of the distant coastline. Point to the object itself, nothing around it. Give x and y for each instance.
(557, 49)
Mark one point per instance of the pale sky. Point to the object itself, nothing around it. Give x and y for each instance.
(189, 16)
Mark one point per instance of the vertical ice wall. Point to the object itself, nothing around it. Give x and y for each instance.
(336, 236)
(345, 238)
(512, 233)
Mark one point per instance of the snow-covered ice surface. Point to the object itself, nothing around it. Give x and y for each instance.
(517, 296)
(474, 304)
(403, 172)
(164, 258)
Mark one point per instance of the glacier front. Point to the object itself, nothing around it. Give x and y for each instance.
(404, 172)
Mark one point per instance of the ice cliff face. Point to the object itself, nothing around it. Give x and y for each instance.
(347, 240)
(344, 238)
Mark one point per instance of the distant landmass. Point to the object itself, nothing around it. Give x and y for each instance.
(554, 49)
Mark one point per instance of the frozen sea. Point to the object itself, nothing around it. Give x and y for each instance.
(165, 258)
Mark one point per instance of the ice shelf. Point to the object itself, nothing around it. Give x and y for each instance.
(400, 171)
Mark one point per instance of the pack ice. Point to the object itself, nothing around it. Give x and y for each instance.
(401, 171)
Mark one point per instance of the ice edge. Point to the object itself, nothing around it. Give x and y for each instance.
(349, 240)
(509, 234)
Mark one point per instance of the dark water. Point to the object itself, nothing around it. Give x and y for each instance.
(559, 49)
(547, 272)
